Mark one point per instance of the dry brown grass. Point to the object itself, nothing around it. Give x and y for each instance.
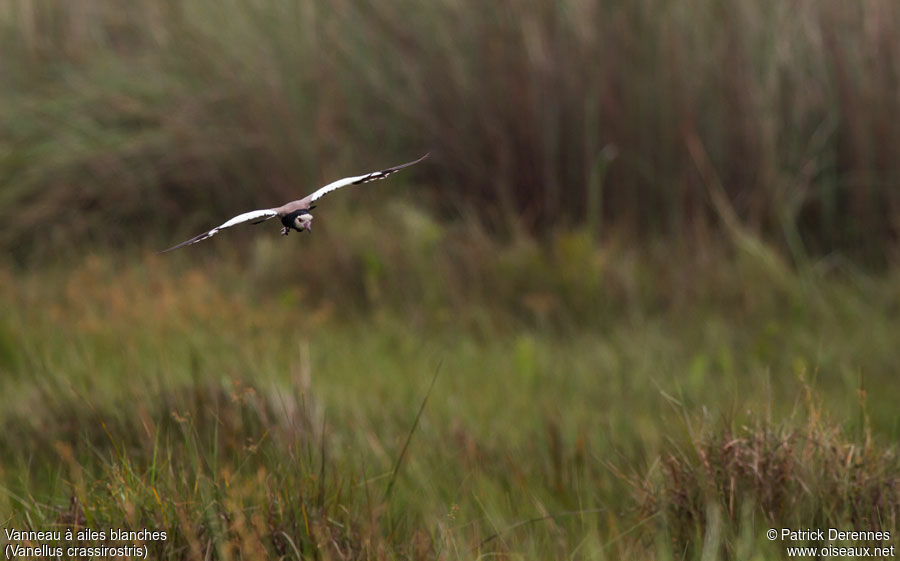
(782, 473)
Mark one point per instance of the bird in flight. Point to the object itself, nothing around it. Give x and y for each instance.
(295, 214)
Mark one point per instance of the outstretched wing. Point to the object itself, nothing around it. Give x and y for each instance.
(254, 216)
(358, 180)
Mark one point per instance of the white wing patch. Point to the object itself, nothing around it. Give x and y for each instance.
(255, 215)
(359, 180)
(248, 216)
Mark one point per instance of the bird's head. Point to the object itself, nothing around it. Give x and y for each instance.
(303, 221)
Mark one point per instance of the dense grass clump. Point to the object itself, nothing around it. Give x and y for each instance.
(764, 474)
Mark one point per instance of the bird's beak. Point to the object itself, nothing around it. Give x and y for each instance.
(309, 227)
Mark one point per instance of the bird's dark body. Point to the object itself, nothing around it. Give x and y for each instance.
(288, 220)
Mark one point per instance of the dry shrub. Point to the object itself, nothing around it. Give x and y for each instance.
(813, 476)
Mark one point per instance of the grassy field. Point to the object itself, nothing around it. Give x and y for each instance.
(249, 415)
(641, 302)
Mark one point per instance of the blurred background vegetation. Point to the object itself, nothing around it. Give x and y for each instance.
(653, 257)
(620, 116)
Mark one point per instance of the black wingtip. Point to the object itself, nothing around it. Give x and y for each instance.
(407, 164)
(195, 239)
(173, 248)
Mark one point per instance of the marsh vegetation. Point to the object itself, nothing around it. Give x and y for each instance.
(651, 268)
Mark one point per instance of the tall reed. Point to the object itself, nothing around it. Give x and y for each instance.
(141, 111)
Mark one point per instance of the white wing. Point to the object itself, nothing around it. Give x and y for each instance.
(255, 216)
(358, 180)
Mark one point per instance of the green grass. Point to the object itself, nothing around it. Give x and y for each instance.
(651, 267)
(252, 419)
